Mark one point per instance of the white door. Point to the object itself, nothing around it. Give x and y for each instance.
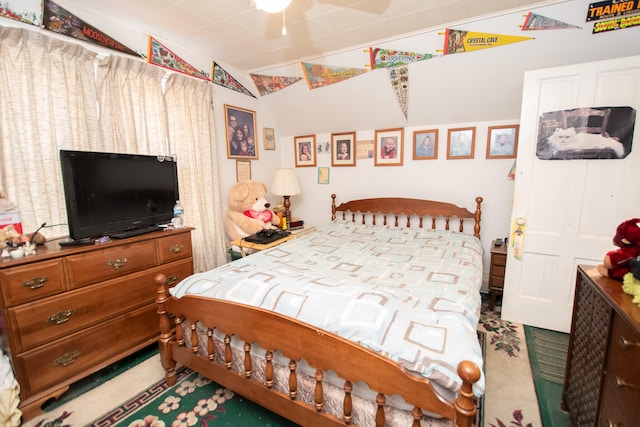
(571, 208)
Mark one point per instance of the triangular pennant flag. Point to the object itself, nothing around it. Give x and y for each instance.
(533, 21)
(384, 58)
(457, 41)
(222, 78)
(162, 56)
(321, 75)
(270, 84)
(27, 17)
(59, 20)
(399, 77)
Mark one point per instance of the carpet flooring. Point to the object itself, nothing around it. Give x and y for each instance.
(510, 397)
(548, 356)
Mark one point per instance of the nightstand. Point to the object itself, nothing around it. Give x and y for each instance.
(496, 272)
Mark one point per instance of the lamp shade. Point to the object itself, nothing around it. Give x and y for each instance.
(272, 6)
(285, 183)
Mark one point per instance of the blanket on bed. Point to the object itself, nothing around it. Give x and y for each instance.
(410, 294)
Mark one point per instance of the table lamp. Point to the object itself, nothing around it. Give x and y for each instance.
(285, 184)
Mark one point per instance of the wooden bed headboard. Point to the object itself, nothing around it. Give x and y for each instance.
(410, 208)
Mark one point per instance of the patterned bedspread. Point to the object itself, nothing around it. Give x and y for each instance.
(411, 294)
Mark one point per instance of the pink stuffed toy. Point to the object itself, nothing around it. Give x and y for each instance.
(627, 238)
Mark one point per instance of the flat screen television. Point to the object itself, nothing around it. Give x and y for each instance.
(116, 194)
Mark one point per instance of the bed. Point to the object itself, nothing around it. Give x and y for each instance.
(370, 320)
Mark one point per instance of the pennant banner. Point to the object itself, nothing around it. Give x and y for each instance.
(162, 56)
(270, 84)
(59, 20)
(384, 58)
(399, 77)
(31, 17)
(616, 24)
(456, 41)
(320, 75)
(612, 9)
(222, 78)
(533, 21)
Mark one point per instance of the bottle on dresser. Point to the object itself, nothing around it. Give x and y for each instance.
(178, 215)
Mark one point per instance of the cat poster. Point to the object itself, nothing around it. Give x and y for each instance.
(586, 133)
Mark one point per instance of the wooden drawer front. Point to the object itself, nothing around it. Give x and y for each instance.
(31, 282)
(96, 266)
(57, 363)
(621, 384)
(53, 318)
(497, 282)
(174, 247)
(499, 259)
(626, 340)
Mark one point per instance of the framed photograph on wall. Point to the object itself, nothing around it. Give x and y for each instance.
(388, 147)
(323, 175)
(242, 141)
(305, 150)
(425, 144)
(461, 143)
(502, 142)
(269, 137)
(243, 170)
(343, 149)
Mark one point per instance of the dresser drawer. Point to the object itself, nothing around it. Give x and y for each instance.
(499, 260)
(52, 318)
(59, 362)
(174, 247)
(497, 282)
(96, 266)
(32, 281)
(626, 340)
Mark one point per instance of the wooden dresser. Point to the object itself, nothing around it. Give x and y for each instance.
(496, 272)
(602, 380)
(68, 312)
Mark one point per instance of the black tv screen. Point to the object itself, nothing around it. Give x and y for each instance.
(109, 193)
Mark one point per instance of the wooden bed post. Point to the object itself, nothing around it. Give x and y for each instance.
(465, 407)
(333, 207)
(476, 227)
(162, 295)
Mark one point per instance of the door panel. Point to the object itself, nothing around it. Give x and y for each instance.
(571, 207)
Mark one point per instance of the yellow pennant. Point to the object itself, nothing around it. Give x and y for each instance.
(457, 41)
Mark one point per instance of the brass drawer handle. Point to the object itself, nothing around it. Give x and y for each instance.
(66, 359)
(171, 280)
(620, 383)
(35, 283)
(177, 248)
(60, 317)
(118, 263)
(611, 424)
(625, 343)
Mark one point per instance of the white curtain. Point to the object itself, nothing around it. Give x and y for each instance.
(47, 93)
(191, 135)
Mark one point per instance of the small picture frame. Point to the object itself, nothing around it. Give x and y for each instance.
(388, 147)
(343, 149)
(323, 175)
(461, 143)
(269, 137)
(243, 170)
(425, 144)
(502, 142)
(304, 148)
(242, 141)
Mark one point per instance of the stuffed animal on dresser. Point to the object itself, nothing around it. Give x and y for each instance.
(617, 262)
(248, 210)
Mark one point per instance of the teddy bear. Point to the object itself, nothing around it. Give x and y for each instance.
(248, 210)
(616, 263)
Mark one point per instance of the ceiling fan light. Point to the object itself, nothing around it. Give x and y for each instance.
(272, 6)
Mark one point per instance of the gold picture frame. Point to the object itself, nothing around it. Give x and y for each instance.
(242, 141)
(304, 148)
(243, 170)
(269, 138)
(389, 147)
(425, 144)
(343, 149)
(502, 142)
(461, 143)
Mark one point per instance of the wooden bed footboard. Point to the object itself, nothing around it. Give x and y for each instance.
(410, 208)
(295, 340)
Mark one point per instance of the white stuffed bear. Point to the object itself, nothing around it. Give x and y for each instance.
(248, 210)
